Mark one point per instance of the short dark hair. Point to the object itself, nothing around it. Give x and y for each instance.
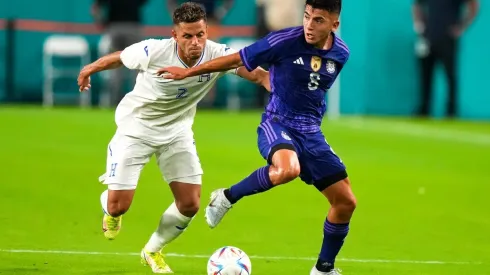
(189, 12)
(334, 6)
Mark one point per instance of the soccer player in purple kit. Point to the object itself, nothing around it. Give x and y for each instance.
(304, 63)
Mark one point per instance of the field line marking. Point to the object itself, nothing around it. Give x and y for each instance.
(251, 256)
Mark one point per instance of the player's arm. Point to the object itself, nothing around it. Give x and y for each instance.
(260, 52)
(134, 57)
(258, 76)
(220, 64)
(107, 62)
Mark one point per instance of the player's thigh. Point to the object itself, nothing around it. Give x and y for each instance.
(126, 157)
(278, 147)
(276, 144)
(179, 160)
(320, 166)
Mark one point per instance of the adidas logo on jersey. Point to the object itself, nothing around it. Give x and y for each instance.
(299, 61)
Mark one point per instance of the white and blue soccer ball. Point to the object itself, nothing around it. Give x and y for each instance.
(229, 260)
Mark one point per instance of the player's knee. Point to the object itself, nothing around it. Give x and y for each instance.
(286, 173)
(285, 167)
(119, 201)
(189, 206)
(350, 204)
(346, 206)
(117, 208)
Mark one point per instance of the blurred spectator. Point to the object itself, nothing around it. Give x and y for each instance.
(122, 22)
(439, 24)
(215, 12)
(274, 15)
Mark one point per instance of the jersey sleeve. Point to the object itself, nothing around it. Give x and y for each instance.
(138, 56)
(264, 51)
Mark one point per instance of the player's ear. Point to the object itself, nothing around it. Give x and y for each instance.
(206, 31)
(174, 33)
(335, 26)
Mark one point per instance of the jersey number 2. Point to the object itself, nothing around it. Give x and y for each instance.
(313, 84)
(182, 93)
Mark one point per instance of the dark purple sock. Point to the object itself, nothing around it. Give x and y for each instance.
(333, 239)
(257, 182)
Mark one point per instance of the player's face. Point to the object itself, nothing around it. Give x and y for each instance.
(191, 38)
(318, 24)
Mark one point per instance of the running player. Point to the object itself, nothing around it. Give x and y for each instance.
(304, 63)
(156, 119)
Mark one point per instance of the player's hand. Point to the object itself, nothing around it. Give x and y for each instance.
(83, 80)
(83, 83)
(173, 73)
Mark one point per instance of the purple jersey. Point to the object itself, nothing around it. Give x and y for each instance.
(300, 76)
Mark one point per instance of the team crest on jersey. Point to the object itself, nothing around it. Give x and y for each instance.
(285, 136)
(316, 63)
(330, 67)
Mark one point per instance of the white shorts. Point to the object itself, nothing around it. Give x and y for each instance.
(126, 157)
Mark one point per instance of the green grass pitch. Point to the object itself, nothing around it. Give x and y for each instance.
(422, 186)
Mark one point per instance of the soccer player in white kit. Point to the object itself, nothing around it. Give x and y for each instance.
(156, 119)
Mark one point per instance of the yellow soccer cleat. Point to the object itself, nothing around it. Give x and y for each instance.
(111, 226)
(156, 261)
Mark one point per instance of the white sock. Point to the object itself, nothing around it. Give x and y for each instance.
(103, 200)
(172, 224)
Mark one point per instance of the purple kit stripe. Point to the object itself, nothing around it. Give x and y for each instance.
(274, 136)
(269, 131)
(243, 55)
(344, 48)
(262, 179)
(273, 40)
(281, 34)
(266, 134)
(342, 45)
(294, 35)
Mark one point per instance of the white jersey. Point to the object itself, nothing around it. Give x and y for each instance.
(158, 109)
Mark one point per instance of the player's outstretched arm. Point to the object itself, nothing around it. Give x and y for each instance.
(108, 62)
(259, 76)
(219, 64)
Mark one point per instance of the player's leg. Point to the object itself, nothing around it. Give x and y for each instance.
(324, 169)
(284, 167)
(179, 214)
(336, 226)
(126, 157)
(278, 148)
(427, 64)
(114, 203)
(180, 166)
(448, 53)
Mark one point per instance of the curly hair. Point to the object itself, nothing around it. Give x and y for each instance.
(189, 12)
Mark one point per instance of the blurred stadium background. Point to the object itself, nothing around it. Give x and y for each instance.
(422, 183)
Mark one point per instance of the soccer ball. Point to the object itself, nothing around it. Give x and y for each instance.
(229, 260)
